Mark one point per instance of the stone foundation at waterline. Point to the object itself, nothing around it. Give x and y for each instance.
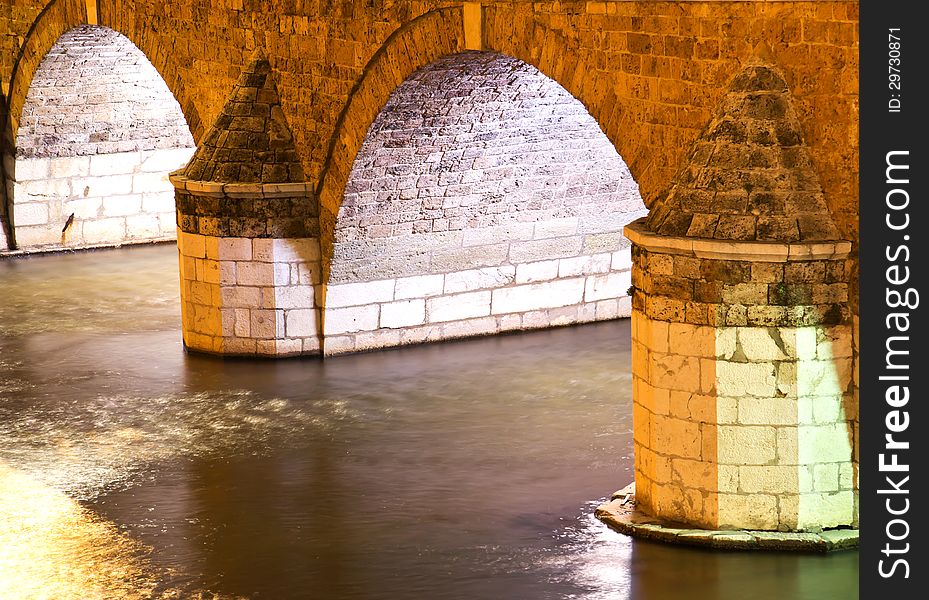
(249, 296)
(408, 310)
(115, 198)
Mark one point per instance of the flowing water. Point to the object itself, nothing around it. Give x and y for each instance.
(130, 469)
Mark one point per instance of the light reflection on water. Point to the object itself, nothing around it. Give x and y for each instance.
(465, 470)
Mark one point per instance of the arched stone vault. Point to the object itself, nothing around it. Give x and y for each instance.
(648, 72)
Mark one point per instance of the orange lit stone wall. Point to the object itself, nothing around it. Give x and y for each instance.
(649, 72)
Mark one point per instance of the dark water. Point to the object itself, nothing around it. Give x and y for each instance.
(462, 470)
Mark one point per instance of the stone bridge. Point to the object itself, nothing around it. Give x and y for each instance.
(349, 176)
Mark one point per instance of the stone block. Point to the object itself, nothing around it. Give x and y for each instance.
(535, 250)
(535, 296)
(103, 186)
(288, 347)
(747, 511)
(655, 335)
(358, 294)
(555, 228)
(492, 235)
(824, 443)
(403, 313)
(237, 249)
(158, 202)
(767, 411)
(459, 306)
(254, 273)
(239, 346)
(603, 242)
(823, 377)
(727, 410)
(33, 213)
(543, 270)
(610, 285)
(83, 208)
(742, 379)
(263, 250)
(477, 279)
(692, 340)
(227, 272)
(621, 260)
(302, 323)
(769, 479)
(69, 166)
(761, 344)
(608, 309)
(460, 259)
(122, 205)
(419, 286)
(143, 227)
(114, 164)
(104, 231)
(470, 327)
(826, 509)
(31, 169)
(165, 160)
(695, 474)
(381, 338)
(675, 372)
(746, 444)
(263, 324)
(349, 320)
(675, 437)
(294, 296)
(339, 344)
(242, 322)
(727, 478)
(826, 477)
(148, 183)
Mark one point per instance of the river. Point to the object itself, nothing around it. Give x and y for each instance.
(460, 470)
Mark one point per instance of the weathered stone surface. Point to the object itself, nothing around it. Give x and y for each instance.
(250, 141)
(733, 185)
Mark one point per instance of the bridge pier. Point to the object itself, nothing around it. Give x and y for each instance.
(742, 356)
(248, 232)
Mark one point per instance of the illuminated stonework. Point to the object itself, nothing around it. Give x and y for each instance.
(745, 414)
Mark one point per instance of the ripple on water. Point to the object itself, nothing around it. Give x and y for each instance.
(95, 446)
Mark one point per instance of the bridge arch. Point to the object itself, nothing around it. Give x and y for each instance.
(99, 131)
(440, 33)
(60, 16)
(484, 198)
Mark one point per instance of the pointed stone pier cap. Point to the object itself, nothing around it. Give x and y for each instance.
(748, 176)
(250, 147)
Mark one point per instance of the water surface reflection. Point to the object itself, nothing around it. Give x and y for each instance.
(460, 470)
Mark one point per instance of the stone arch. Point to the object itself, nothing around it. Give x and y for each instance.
(484, 198)
(439, 33)
(98, 132)
(58, 17)
(55, 19)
